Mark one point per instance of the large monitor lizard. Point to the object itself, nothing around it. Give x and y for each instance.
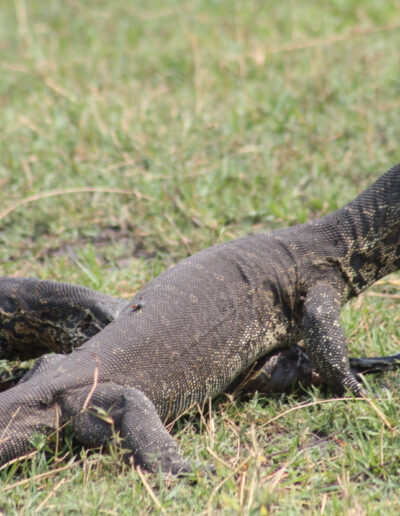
(189, 333)
(38, 316)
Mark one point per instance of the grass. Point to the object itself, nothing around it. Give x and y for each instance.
(198, 122)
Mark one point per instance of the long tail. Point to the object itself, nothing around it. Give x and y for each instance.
(375, 365)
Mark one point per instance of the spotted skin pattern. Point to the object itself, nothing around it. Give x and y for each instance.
(198, 326)
(38, 316)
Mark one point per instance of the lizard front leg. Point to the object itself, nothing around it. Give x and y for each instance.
(325, 341)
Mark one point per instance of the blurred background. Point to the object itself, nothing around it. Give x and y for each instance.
(217, 118)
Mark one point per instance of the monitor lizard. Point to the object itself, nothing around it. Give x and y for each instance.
(38, 316)
(190, 332)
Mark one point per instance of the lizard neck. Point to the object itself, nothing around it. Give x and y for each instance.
(370, 230)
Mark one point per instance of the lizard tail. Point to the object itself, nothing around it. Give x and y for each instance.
(375, 365)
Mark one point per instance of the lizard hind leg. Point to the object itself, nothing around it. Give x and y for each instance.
(110, 408)
(144, 433)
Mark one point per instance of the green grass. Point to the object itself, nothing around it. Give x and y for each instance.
(213, 119)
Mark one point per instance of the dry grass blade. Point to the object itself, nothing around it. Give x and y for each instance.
(181, 236)
(2, 440)
(217, 458)
(29, 455)
(381, 294)
(218, 487)
(51, 493)
(150, 491)
(356, 32)
(380, 414)
(93, 388)
(42, 476)
(306, 405)
(70, 191)
(320, 402)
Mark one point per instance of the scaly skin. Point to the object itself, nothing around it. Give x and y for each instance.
(189, 333)
(38, 315)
